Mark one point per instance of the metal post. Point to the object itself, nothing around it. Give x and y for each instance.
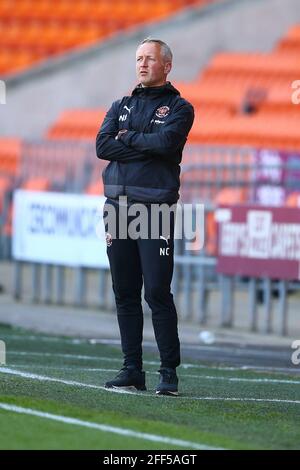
(226, 300)
(187, 289)
(203, 294)
(175, 286)
(80, 287)
(283, 314)
(48, 284)
(111, 300)
(18, 284)
(252, 304)
(36, 282)
(267, 305)
(102, 287)
(6, 247)
(60, 284)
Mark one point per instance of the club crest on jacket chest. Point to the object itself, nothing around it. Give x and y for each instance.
(162, 112)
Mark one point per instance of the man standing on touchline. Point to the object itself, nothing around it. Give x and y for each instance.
(143, 136)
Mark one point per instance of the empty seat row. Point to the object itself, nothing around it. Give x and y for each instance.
(37, 30)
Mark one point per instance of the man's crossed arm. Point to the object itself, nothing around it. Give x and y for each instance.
(127, 145)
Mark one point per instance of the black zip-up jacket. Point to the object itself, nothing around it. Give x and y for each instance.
(144, 161)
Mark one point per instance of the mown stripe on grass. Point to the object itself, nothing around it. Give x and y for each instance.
(264, 400)
(67, 356)
(107, 428)
(74, 368)
(43, 378)
(242, 379)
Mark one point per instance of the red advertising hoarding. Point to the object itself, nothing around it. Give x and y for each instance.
(259, 241)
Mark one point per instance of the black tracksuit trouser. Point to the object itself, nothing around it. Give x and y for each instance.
(133, 262)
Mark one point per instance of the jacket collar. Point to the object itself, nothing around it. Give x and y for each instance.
(139, 90)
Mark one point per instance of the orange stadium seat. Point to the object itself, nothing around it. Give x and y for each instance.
(232, 97)
(206, 94)
(276, 132)
(227, 196)
(10, 150)
(5, 183)
(291, 42)
(293, 199)
(32, 184)
(5, 186)
(31, 30)
(244, 99)
(77, 124)
(95, 188)
(239, 64)
(37, 184)
(278, 101)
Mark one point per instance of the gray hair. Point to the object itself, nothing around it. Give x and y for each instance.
(165, 49)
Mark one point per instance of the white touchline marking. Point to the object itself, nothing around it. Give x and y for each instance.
(108, 428)
(74, 369)
(188, 376)
(271, 369)
(43, 378)
(73, 341)
(264, 400)
(242, 379)
(67, 356)
(156, 363)
(34, 338)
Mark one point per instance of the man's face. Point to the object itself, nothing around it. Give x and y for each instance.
(151, 69)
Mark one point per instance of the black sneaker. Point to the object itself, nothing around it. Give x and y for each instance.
(129, 378)
(168, 384)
